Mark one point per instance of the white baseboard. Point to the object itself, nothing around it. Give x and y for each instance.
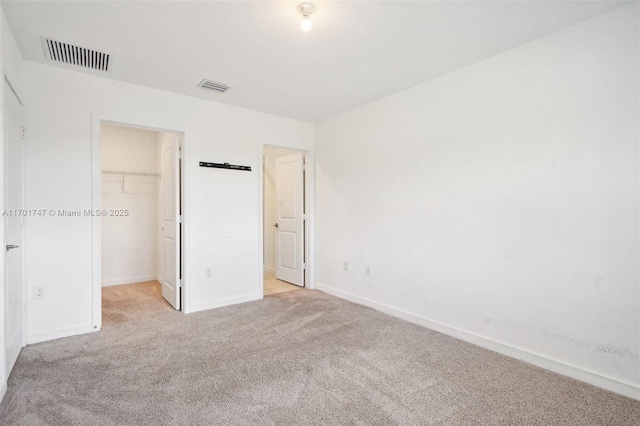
(269, 270)
(197, 307)
(132, 280)
(57, 334)
(608, 383)
(3, 390)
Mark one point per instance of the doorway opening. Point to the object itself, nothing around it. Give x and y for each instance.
(141, 218)
(284, 222)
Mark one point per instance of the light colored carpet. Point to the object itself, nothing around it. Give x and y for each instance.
(299, 357)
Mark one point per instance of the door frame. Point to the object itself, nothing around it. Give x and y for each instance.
(96, 203)
(3, 182)
(310, 208)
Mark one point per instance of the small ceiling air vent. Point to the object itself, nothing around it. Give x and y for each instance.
(213, 85)
(75, 55)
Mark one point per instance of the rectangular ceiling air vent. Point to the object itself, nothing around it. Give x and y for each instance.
(75, 55)
(213, 85)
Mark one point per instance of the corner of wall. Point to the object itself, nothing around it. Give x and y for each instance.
(11, 59)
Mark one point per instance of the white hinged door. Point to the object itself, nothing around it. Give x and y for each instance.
(170, 253)
(290, 219)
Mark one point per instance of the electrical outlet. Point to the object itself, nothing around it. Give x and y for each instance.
(368, 270)
(345, 266)
(208, 273)
(38, 293)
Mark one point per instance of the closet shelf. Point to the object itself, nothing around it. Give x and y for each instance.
(125, 173)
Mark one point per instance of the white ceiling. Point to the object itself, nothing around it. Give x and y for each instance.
(357, 51)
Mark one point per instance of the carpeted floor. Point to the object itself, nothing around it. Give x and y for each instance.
(294, 358)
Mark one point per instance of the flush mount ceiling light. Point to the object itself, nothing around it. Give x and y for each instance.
(306, 9)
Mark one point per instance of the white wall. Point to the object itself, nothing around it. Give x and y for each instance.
(129, 242)
(500, 201)
(12, 59)
(222, 222)
(129, 149)
(271, 153)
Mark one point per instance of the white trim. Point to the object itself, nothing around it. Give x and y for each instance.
(310, 219)
(3, 391)
(23, 284)
(269, 270)
(309, 200)
(608, 383)
(132, 280)
(185, 199)
(96, 225)
(3, 311)
(57, 334)
(96, 202)
(225, 302)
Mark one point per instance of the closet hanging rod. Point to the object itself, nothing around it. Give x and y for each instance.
(116, 172)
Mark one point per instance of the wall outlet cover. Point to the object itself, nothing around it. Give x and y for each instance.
(38, 293)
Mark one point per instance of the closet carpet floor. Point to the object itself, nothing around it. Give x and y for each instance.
(294, 358)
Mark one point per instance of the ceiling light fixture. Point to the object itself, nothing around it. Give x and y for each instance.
(306, 9)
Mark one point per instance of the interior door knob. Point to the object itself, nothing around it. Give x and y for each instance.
(275, 224)
(10, 247)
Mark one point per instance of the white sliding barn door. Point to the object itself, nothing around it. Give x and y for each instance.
(170, 219)
(13, 229)
(290, 219)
